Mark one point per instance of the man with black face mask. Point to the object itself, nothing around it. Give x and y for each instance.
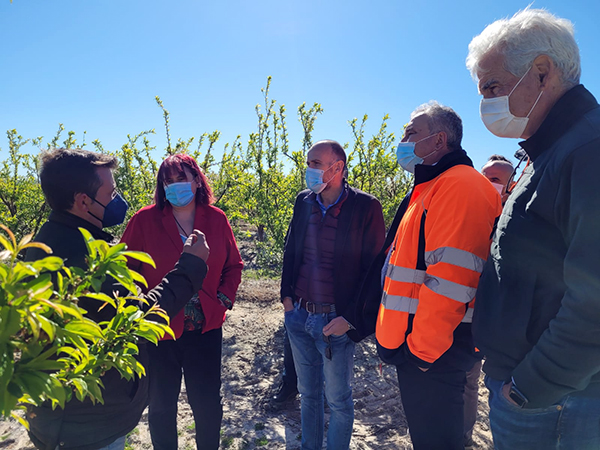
(80, 189)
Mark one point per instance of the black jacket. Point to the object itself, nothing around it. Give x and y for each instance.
(82, 425)
(359, 236)
(537, 316)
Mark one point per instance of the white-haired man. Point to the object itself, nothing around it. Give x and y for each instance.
(538, 306)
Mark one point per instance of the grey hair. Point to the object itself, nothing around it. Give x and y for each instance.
(522, 38)
(442, 118)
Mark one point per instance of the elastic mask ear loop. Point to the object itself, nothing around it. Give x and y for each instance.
(519, 82)
(536, 102)
(331, 178)
(426, 156)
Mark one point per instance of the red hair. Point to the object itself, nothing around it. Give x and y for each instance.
(177, 164)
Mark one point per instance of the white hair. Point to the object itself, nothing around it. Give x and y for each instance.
(525, 36)
(442, 118)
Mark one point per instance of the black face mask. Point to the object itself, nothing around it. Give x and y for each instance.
(114, 212)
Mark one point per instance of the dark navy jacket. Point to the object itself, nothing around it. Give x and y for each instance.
(537, 315)
(83, 425)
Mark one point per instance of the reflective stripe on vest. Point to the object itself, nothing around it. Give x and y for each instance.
(409, 305)
(399, 303)
(455, 256)
(450, 289)
(468, 316)
(405, 275)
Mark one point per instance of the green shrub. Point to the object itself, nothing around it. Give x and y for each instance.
(49, 350)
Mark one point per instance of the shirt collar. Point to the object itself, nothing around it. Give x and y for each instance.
(325, 208)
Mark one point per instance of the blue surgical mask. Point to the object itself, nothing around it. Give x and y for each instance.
(407, 157)
(314, 180)
(179, 194)
(114, 212)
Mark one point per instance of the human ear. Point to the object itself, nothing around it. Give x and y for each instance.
(81, 201)
(441, 140)
(543, 66)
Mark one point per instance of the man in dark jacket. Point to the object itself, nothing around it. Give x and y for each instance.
(538, 310)
(79, 188)
(334, 234)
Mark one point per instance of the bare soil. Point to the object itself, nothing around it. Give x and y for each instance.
(252, 360)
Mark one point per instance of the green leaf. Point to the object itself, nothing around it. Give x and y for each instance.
(138, 278)
(103, 298)
(115, 249)
(140, 256)
(81, 388)
(50, 263)
(86, 328)
(35, 384)
(87, 237)
(10, 322)
(94, 390)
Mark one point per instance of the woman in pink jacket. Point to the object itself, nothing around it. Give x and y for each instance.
(182, 203)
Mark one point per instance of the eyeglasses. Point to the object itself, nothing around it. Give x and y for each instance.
(328, 348)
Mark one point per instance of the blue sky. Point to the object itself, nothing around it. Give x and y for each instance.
(96, 65)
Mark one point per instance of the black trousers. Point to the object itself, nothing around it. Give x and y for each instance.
(433, 405)
(198, 356)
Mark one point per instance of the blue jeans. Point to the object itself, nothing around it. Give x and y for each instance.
(572, 423)
(305, 331)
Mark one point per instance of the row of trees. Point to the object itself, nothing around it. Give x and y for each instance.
(255, 182)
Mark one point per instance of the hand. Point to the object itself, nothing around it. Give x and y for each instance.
(288, 304)
(506, 393)
(196, 245)
(337, 327)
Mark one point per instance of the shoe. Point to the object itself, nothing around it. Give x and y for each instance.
(285, 393)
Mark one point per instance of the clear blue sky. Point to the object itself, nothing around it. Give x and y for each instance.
(96, 65)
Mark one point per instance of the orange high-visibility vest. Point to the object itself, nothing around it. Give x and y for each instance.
(441, 245)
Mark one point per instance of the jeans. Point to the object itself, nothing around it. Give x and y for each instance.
(289, 371)
(313, 368)
(571, 424)
(198, 356)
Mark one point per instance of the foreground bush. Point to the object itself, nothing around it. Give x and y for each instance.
(49, 351)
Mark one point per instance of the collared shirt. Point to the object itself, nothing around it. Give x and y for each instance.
(324, 208)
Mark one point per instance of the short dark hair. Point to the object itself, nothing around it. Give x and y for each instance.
(500, 158)
(177, 164)
(65, 172)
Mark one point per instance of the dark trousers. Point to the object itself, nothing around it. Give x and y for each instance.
(471, 398)
(289, 370)
(198, 356)
(433, 405)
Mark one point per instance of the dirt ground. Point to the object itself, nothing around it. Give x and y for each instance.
(252, 359)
